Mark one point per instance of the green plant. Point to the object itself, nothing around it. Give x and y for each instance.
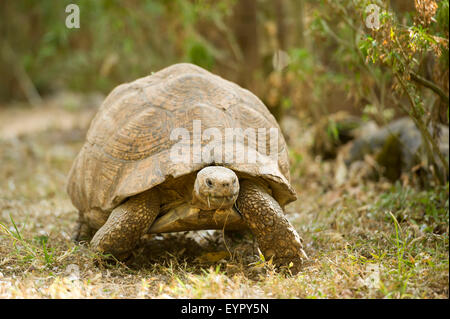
(26, 250)
(404, 49)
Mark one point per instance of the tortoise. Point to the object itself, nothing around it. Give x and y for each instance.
(126, 183)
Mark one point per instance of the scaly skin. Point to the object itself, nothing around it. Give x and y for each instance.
(275, 235)
(126, 224)
(82, 232)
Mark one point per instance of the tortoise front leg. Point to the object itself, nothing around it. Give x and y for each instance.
(275, 235)
(126, 224)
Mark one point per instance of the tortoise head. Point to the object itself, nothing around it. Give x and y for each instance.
(216, 187)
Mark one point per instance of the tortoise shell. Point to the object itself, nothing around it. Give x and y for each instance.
(128, 144)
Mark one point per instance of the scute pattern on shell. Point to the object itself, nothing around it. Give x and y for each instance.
(128, 143)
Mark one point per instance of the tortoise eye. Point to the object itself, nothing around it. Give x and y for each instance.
(209, 182)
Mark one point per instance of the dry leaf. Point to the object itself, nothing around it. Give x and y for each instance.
(212, 257)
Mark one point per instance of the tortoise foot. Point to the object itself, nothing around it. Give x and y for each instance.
(275, 235)
(126, 224)
(82, 233)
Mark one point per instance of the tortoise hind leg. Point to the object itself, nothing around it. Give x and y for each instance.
(126, 224)
(275, 235)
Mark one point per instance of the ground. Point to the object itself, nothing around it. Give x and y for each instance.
(365, 239)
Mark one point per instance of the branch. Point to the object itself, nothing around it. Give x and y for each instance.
(425, 134)
(430, 85)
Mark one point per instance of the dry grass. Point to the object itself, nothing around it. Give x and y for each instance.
(354, 233)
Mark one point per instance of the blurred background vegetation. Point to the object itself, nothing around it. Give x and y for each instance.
(330, 60)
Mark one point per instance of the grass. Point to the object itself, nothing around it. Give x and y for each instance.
(364, 239)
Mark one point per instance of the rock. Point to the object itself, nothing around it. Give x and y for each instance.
(397, 147)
